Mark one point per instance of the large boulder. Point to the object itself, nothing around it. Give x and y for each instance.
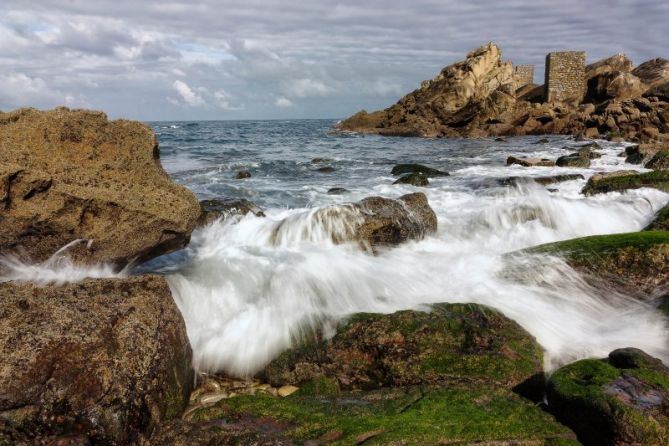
(621, 400)
(624, 180)
(615, 85)
(453, 343)
(659, 161)
(618, 62)
(660, 91)
(104, 361)
(401, 169)
(69, 175)
(653, 72)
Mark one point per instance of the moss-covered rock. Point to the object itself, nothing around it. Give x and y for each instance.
(660, 161)
(414, 179)
(637, 260)
(661, 221)
(579, 159)
(621, 400)
(454, 343)
(407, 416)
(601, 184)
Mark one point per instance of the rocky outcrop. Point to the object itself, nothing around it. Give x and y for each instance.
(529, 162)
(100, 361)
(69, 175)
(642, 152)
(623, 180)
(214, 209)
(659, 161)
(617, 401)
(452, 344)
(414, 179)
(477, 98)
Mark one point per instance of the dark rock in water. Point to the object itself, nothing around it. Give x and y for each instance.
(544, 181)
(622, 400)
(223, 207)
(660, 222)
(659, 161)
(541, 141)
(337, 191)
(624, 180)
(326, 169)
(635, 262)
(103, 360)
(412, 416)
(639, 153)
(242, 174)
(415, 179)
(529, 162)
(429, 172)
(578, 159)
(390, 222)
(454, 343)
(321, 160)
(72, 174)
(501, 140)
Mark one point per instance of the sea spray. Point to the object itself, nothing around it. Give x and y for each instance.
(246, 298)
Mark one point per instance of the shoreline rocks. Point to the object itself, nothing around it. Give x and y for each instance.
(102, 360)
(214, 209)
(67, 175)
(477, 97)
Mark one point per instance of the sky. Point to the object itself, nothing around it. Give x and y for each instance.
(270, 59)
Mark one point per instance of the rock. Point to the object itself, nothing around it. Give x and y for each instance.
(284, 391)
(660, 92)
(72, 174)
(530, 162)
(634, 262)
(541, 141)
(429, 172)
(618, 62)
(653, 72)
(579, 159)
(242, 174)
(623, 180)
(103, 360)
(320, 160)
(454, 343)
(500, 140)
(622, 400)
(415, 179)
(223, 207)
(660, 222)
(615, 85)
(544, 181)
(409, 416)
(639, 153)
(659, 161)
(326, 169)
(337, 191)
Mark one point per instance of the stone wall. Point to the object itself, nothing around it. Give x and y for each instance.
(565, 76)
(523, 75)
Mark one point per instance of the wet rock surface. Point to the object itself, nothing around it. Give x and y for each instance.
(72, 174)
(214, 209)
(103, 361)
(414, 179)
(452, 344)
(529, 162)
(621, 181)
(620, 400)
(429, 172)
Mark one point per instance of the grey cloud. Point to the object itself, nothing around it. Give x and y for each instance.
(270, 59)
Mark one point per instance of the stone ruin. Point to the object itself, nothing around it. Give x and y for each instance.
(565, 76)
(523, 75)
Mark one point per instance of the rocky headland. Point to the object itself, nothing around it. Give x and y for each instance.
(482, 96)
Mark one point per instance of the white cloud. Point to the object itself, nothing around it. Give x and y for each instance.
(307, 88)
(189, 97)
(283, 101)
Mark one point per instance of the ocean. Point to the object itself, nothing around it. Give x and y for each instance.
(247, 294)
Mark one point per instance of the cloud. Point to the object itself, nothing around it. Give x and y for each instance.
(236, 59)
(283, 102)
(189, 97)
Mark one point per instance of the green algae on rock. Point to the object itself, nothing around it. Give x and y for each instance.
(660, 161)
(621, 400)
(636, 260)
(620, 183)
(407, 416)
(453, 343)
(660, 222)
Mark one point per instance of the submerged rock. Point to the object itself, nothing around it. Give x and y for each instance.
(529, 162)
(544, 181)
(414, 179)
(453, 343)
(401, 169)
(581, 158)
(624, 180)
(72, 174)
(337, 191)
(621, 400)
(326, 169)
(223, 207)
(102, 360)
(242, 174)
